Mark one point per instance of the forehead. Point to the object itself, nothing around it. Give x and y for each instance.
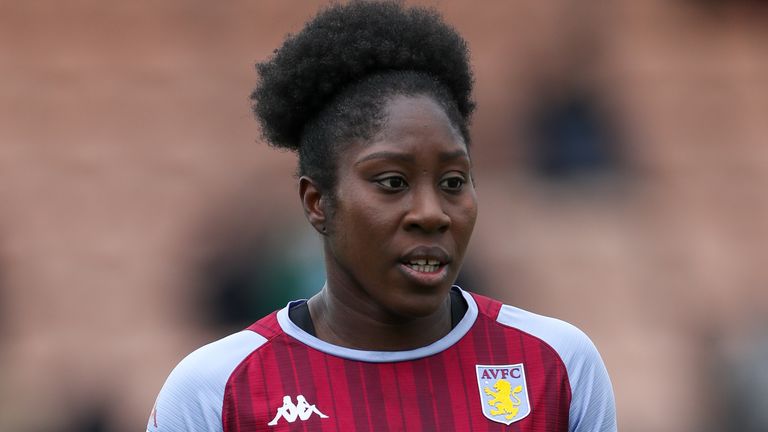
(413, 125)
(409, 117)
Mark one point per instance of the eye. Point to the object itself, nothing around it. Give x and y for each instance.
(392, 183)
(453, 184)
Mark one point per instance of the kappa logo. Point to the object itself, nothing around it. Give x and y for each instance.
(301, 410)
(503, 392)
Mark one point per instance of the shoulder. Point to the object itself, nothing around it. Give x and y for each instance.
(592, 401)
(572, 345)
(192, 396)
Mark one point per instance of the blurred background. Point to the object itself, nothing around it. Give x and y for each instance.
(621, 159)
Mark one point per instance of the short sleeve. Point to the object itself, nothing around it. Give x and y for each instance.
(592, 402)
(192, 397)
(592, 406)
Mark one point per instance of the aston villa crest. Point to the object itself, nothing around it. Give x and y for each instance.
(503, 392)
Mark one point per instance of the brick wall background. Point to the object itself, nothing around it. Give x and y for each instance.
(129, 162)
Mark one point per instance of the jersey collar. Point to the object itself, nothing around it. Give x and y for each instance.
(442, 344)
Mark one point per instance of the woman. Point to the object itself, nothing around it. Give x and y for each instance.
(376, 98)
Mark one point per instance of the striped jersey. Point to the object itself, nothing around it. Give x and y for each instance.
(499, 369)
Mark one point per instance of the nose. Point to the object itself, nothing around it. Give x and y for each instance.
(426, 212)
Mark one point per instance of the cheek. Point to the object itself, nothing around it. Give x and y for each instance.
(466, 216)
(361, 222)
(367, 211)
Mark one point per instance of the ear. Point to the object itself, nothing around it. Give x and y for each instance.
(314, 202)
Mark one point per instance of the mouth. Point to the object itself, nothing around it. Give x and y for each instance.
(427, 265)
(424, 265)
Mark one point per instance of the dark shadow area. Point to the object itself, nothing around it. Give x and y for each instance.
(572, 138)
(245, 281)
(91, 418)
(739, 371)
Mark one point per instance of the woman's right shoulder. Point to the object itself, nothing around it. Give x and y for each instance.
(217, 360)
(192, 396)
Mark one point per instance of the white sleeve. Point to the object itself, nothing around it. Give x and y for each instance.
(592, 403)
(193, 395)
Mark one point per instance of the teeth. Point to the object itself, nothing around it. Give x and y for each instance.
(423, 262)
(424, 265)
(424, 268)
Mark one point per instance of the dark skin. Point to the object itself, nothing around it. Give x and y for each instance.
(402, 217)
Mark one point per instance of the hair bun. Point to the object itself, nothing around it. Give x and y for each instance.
(342, 45)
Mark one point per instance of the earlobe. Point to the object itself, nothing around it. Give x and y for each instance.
(313, 201)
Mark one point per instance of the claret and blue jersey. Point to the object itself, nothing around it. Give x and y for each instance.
(500, 369)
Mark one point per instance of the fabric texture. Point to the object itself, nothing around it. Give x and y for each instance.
(500, 368)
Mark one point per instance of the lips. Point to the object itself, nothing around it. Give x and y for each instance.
(426, 255)
(426, 264)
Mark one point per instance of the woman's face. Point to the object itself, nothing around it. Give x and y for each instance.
(404, 212)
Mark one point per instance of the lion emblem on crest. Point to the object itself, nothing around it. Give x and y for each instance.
(505, 399)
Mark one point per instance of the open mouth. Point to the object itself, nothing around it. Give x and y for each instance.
(427, 265)
(426, 260)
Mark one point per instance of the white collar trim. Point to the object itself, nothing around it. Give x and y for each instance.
(440, 345)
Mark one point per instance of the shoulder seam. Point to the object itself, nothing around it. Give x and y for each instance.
(547, 345)
(239, 366)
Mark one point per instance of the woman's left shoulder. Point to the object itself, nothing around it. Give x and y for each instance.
(570, 342)
(592, 399)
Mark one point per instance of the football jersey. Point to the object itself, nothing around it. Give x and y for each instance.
(499, 369)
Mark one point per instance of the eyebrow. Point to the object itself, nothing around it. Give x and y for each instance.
(456, 154)
(405, 157)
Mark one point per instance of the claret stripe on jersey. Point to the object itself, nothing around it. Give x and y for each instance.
(360, 398)
(284, 380)
(438, 392)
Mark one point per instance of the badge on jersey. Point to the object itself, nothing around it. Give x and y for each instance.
(503, 392)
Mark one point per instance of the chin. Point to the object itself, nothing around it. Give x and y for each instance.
(420, 305)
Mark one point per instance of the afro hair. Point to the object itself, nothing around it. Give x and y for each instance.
(329, 81)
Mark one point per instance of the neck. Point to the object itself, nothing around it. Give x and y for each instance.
(345, 321)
